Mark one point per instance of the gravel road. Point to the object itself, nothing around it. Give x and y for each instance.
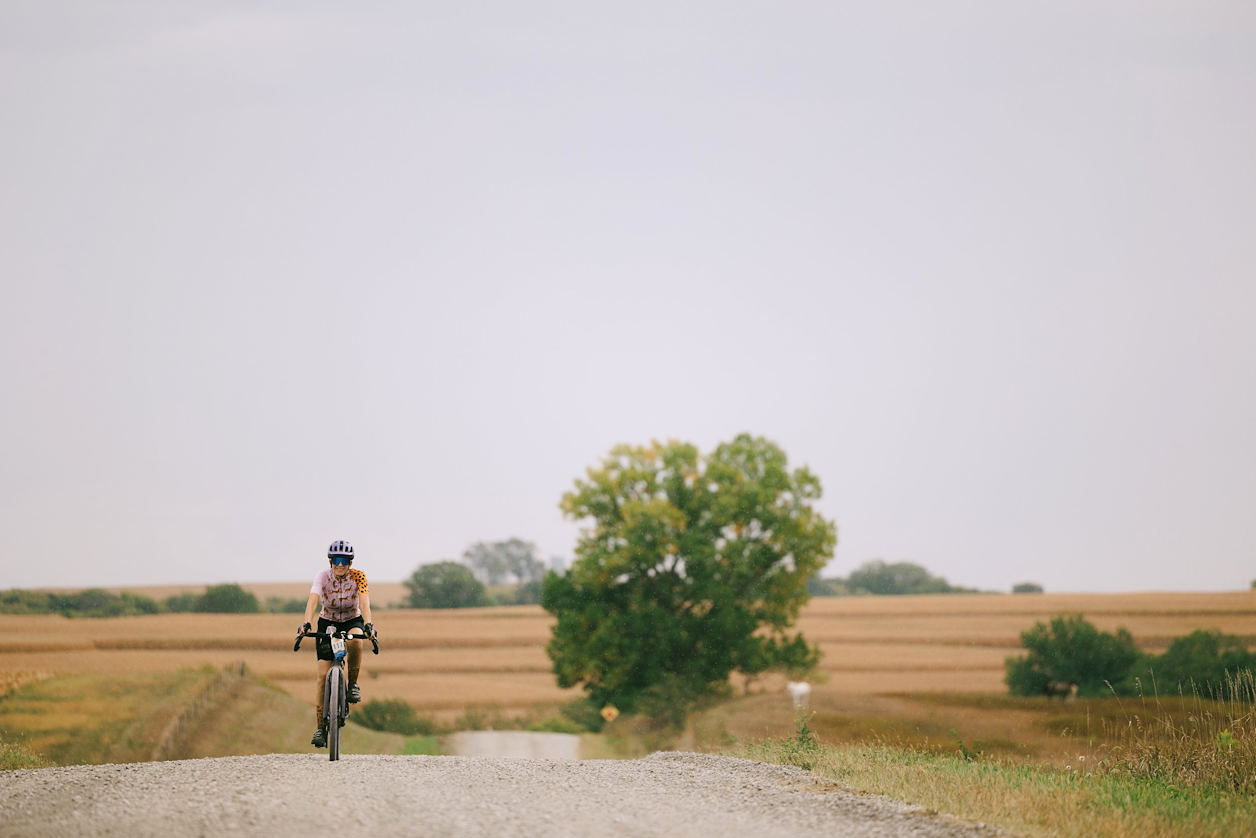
(277, 796)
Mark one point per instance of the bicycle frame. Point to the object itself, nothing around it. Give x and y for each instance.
(335, 686)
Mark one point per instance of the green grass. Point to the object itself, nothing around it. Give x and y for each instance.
(93, 719)
(256, 718)
(13, 756)
(1175, 766)
(421, 746)
(1021, 797)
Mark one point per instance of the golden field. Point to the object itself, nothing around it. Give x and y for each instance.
(446, 661)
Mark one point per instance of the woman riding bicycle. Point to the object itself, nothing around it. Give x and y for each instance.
(346, 601)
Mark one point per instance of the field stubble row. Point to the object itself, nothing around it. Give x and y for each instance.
(476, 657)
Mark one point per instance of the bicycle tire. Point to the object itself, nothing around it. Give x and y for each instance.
(335, 694)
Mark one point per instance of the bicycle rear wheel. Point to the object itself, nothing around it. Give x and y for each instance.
(335, 694)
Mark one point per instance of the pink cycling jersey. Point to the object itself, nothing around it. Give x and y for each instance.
(340, 596)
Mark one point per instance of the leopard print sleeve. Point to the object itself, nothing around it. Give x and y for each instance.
(360, 578)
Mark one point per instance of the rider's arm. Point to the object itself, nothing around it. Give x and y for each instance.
(364, 601)
(311, 608)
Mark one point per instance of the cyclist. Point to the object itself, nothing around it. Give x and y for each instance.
(346, 604)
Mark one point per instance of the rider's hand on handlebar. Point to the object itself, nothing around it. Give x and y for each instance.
(305, 627)
(371, 632)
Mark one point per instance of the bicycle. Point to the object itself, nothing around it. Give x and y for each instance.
(336, 689)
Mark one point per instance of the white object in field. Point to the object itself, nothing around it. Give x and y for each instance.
(800, 692)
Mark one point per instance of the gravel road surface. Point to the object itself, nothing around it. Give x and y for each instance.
(461, 797)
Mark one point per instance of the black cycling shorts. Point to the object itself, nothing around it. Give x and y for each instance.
(324, 645)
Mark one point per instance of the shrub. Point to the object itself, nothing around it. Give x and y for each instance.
(472, 718)
(1072, 650)
(557, 724)
(18, 601)
(394, 716)
(279, 605)
(1027, 588)
(227, 599)
(1206, 659)
(445, 585)
(182, 603)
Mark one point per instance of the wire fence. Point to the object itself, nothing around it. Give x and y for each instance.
(175, 734)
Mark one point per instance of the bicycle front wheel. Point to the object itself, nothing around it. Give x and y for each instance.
(335, 695)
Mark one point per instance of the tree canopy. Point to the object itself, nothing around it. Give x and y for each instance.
(691, 567)
(228, 599)
(885, 579)
(497, 562)
(445, 585)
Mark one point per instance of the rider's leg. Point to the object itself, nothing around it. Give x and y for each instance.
(354, 659)
(323, 668)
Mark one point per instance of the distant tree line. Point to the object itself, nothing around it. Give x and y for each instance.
(1071, 650)
(489, 573)
(97, 602)
(883, 578)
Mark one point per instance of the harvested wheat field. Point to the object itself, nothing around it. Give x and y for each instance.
(446, 661)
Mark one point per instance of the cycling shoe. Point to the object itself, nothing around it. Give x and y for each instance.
(355, 694)
(320, 739)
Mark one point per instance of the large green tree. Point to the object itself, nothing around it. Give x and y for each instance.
(691, 567)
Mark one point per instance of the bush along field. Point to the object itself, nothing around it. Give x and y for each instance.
(1070, 656)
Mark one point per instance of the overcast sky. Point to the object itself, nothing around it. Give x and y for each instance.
(274, 274)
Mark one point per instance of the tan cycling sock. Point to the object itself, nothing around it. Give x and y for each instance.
(318, 716)
(355, 661)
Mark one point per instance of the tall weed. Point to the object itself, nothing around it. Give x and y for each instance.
(1206, 739)
(13, 755)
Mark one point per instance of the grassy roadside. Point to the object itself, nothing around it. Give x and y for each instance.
(421, 746)
(257, 718)
(94, 719)
(1031, 800)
